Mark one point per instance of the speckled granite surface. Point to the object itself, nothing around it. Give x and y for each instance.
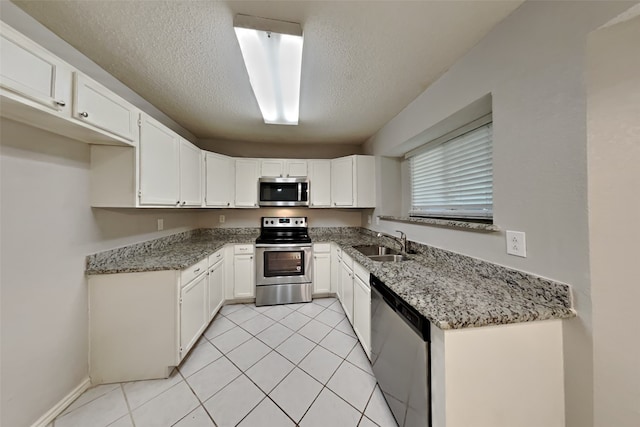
(174, 252)
(451, 290)
(450, 223)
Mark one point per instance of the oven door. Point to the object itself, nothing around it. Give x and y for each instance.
(276, 264)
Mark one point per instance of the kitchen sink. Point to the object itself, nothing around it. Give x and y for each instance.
(388, 258)
(375, 250)
(380, 253)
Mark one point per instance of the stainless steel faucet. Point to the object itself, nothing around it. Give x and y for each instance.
(404, 244)
(403, 240)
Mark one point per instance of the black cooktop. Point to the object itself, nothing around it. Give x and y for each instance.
(283, 230)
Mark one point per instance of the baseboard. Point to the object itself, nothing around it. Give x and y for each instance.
(59, 407)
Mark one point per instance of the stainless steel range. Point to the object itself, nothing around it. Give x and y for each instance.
(283, 261)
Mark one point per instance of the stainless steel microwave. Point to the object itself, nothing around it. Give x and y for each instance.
(283, 192)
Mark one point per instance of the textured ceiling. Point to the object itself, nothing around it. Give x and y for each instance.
(363, 62)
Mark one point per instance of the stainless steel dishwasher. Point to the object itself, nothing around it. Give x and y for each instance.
(400, 356)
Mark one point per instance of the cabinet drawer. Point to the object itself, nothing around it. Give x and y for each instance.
(322, 247)
(347, 260)
(243, 249)
(215, 257)
(190, 273)
(339, 251)
(361, 273)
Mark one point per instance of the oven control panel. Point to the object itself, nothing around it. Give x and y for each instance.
(295, 221)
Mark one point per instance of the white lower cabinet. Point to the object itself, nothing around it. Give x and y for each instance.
(141, 325)
(362, 308)
(216, 279)
(244, 277)
(346, 285)
(321, 268)
(194, 315)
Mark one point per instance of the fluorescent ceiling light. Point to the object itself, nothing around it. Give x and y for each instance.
(272, 53)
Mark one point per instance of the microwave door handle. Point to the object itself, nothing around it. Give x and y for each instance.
(299, 191)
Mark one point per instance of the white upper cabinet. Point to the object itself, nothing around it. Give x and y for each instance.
(190, 174)
(219, 180)
(98, 106)
(342, 182)
(41, 90)
(283, 168)
(353, 182)
(271, 168)
(247, 173)
(31, 72)
(319, 183)
(295, 168)
(159, 164)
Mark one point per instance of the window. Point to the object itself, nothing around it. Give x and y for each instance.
(452, 176)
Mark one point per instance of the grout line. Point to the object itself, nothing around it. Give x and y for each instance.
(126, 400)
(199, 401)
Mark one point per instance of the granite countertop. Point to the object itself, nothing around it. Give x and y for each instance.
(451, 290)
(178, 253)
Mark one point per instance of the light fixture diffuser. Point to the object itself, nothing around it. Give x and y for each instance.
(272, 53)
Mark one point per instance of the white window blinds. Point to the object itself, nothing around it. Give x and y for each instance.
(454, 177)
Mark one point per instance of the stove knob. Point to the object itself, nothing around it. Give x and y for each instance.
(296, 222)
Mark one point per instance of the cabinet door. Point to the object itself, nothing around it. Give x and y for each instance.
(272, 168)
(33, 73)
(319, 183)
(193, 312)
(159, 164)
(190, 174)
(98, 106)
(219, 181)
(295, 168)
(216, 288)
(244, 276)
(321, 273)
(362, 313)
(246, 183)
(335, 269)
(346, 281)
(342, 181)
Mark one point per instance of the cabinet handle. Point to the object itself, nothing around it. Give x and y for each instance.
(335, 204)
(178, 203)
(196, 270)
(250, 257)
(84, 114)
(228, 203)
(183, 203)
(61, 103)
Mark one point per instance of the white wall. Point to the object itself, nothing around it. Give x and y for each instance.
(533, 65)
(274, 150)
(47, 230)
(251, 217)
(614, 185)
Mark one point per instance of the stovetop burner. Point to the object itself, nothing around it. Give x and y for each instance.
(283, 230)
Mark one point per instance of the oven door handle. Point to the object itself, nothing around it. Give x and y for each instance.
(283, 245)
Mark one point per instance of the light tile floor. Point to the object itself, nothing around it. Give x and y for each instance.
(285, 365)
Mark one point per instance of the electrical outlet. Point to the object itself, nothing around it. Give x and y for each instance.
(377, 220)
(516, 243)
(368, 219)
(222, 219)
(160, 224)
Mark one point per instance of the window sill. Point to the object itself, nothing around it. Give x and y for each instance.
(447, 223)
